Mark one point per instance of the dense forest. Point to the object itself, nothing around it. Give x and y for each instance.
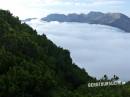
(33, 66)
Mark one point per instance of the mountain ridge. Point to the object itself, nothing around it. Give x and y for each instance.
(117, 20)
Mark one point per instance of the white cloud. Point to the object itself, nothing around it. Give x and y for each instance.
(106, 2)
(99, 49)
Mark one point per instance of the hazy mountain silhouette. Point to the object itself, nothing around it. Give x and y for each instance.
(28, 19)
(118, 20)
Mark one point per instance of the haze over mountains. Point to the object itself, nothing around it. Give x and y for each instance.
(117, 20)
(98, 43)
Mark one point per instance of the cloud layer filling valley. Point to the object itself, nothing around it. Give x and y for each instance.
(97, 48)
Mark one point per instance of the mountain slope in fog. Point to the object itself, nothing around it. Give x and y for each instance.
(33, 66)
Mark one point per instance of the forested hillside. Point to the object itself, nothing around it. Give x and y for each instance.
(33, 66)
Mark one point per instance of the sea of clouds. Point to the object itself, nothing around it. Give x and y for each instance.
(97, 48)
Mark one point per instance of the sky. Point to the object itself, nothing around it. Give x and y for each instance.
(40, 8)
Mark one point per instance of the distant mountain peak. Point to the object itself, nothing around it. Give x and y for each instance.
(28, 19)
(95, 13)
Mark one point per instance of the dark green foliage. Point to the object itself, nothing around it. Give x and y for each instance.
(32, 66)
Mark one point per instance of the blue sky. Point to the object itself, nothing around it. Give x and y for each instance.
(40, 8)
